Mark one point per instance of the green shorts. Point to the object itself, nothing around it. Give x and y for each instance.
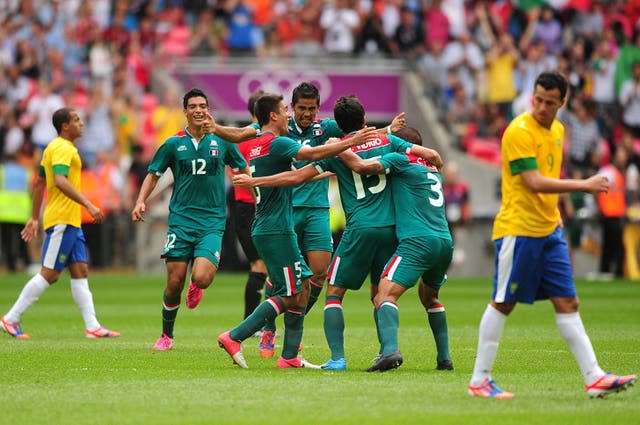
(312, 225)
(426, 257)
(184, 245)
(360, 252)
(284, 262)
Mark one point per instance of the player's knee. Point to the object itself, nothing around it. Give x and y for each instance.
(202, 280)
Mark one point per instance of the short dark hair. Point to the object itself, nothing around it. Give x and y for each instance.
(61, 116)
(550, 80)
(305, 91)
(409, 134)
(349, 113)
(194, 92)
(266, 104)
(251, 103)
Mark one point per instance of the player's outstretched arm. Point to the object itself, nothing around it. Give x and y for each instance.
(428, 155)
(286, 178)
(315, 153)
(361, 166)
(147, 187)
(230, 134)
(397, 123)
(30, 230)
(67, 188)
(537, 183)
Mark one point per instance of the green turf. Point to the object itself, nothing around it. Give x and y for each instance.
(60, 377)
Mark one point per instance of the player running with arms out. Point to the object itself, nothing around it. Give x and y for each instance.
(369, 239)
(532, 259)
(274, 236)
(425, 246)
(64, 243)
(197, 208)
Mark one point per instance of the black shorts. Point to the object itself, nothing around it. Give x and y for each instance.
(243, 214)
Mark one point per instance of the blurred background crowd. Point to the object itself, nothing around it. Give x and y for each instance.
(477, 60)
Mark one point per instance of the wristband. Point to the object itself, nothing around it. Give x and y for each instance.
(389, 129)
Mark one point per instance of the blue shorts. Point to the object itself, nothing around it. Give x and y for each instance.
(63, 244)
(529, 269)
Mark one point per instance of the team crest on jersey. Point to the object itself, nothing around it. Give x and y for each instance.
(213, 143)
(182, 148)
(213, 151)
(317, 132)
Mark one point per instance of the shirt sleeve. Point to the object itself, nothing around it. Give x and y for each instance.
(399, 145)
(285, 147)
(393, 162)
(327, 164)
(519, 150)
(61, 161)
(234, 158)
(330, 128)
(162, 159)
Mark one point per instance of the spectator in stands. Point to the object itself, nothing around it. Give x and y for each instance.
(340, 23)
(40, 109)
(205, 37)
(306, 45)
(433, 71)
(630, 101)
(436, 25)
(409, 39)
(603, 66)
(502, 61)
(372, 39)
(98, 134)
(458, 208)
(581, 130)
(168, 118)
(463, 55)
(243, 37)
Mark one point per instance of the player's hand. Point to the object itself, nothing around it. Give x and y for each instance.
(98, 216)
(364, 135)
(242, 180)
(398, 122)
(597, 183)
(209, 126)
(30, 230)
(138, 212)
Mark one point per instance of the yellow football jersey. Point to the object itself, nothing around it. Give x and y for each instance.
(526, 145)
(61, 157)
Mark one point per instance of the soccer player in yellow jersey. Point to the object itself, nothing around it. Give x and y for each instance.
(64, 243)
(532, 259)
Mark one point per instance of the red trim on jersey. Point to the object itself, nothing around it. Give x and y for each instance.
(380, 140)
(259, 146)
(413, 159)
(180, 133)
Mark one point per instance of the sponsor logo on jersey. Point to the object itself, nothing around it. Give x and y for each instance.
(261, 146)
(182, 148)
(375, 143)
(217, 254)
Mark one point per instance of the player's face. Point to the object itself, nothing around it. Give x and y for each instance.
(283, 118)
(196, 111)
(75, 126)
(545, 105)
(305, 111)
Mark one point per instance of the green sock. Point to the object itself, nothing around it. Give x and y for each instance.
(334, 326)
(270, 324)
(170, 307)
(438, 322)
(389, 321)
(376, 321)
(267, 310)
(293, 326)
(313, 295)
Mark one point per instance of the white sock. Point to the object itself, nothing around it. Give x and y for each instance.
(29, 295)
(84, 300)
(491, 326)
(572, 330)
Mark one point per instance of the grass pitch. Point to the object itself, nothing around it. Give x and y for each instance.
(60, 377)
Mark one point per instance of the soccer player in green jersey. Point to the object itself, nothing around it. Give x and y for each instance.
(425, 247)
(273, 232)
(197, 209)
(532, 259)
(369, 239)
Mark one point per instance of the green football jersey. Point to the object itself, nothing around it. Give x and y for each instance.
(271, 155)
(199, 194)
(312, 194)
(417, 196)
(366, 200)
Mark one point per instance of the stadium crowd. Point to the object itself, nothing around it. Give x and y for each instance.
(477, 59)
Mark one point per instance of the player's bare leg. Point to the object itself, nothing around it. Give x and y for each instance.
(319, 264)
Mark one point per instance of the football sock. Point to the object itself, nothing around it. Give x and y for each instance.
(313, 295)
(170, 306)
(438, 321)
(253, 292)
(267, 311)
(293, 326)
(334, 326)
(491, 326)
(84, 300)
(375, 320)
(29, 295)
(572, 330)
(388, 320)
